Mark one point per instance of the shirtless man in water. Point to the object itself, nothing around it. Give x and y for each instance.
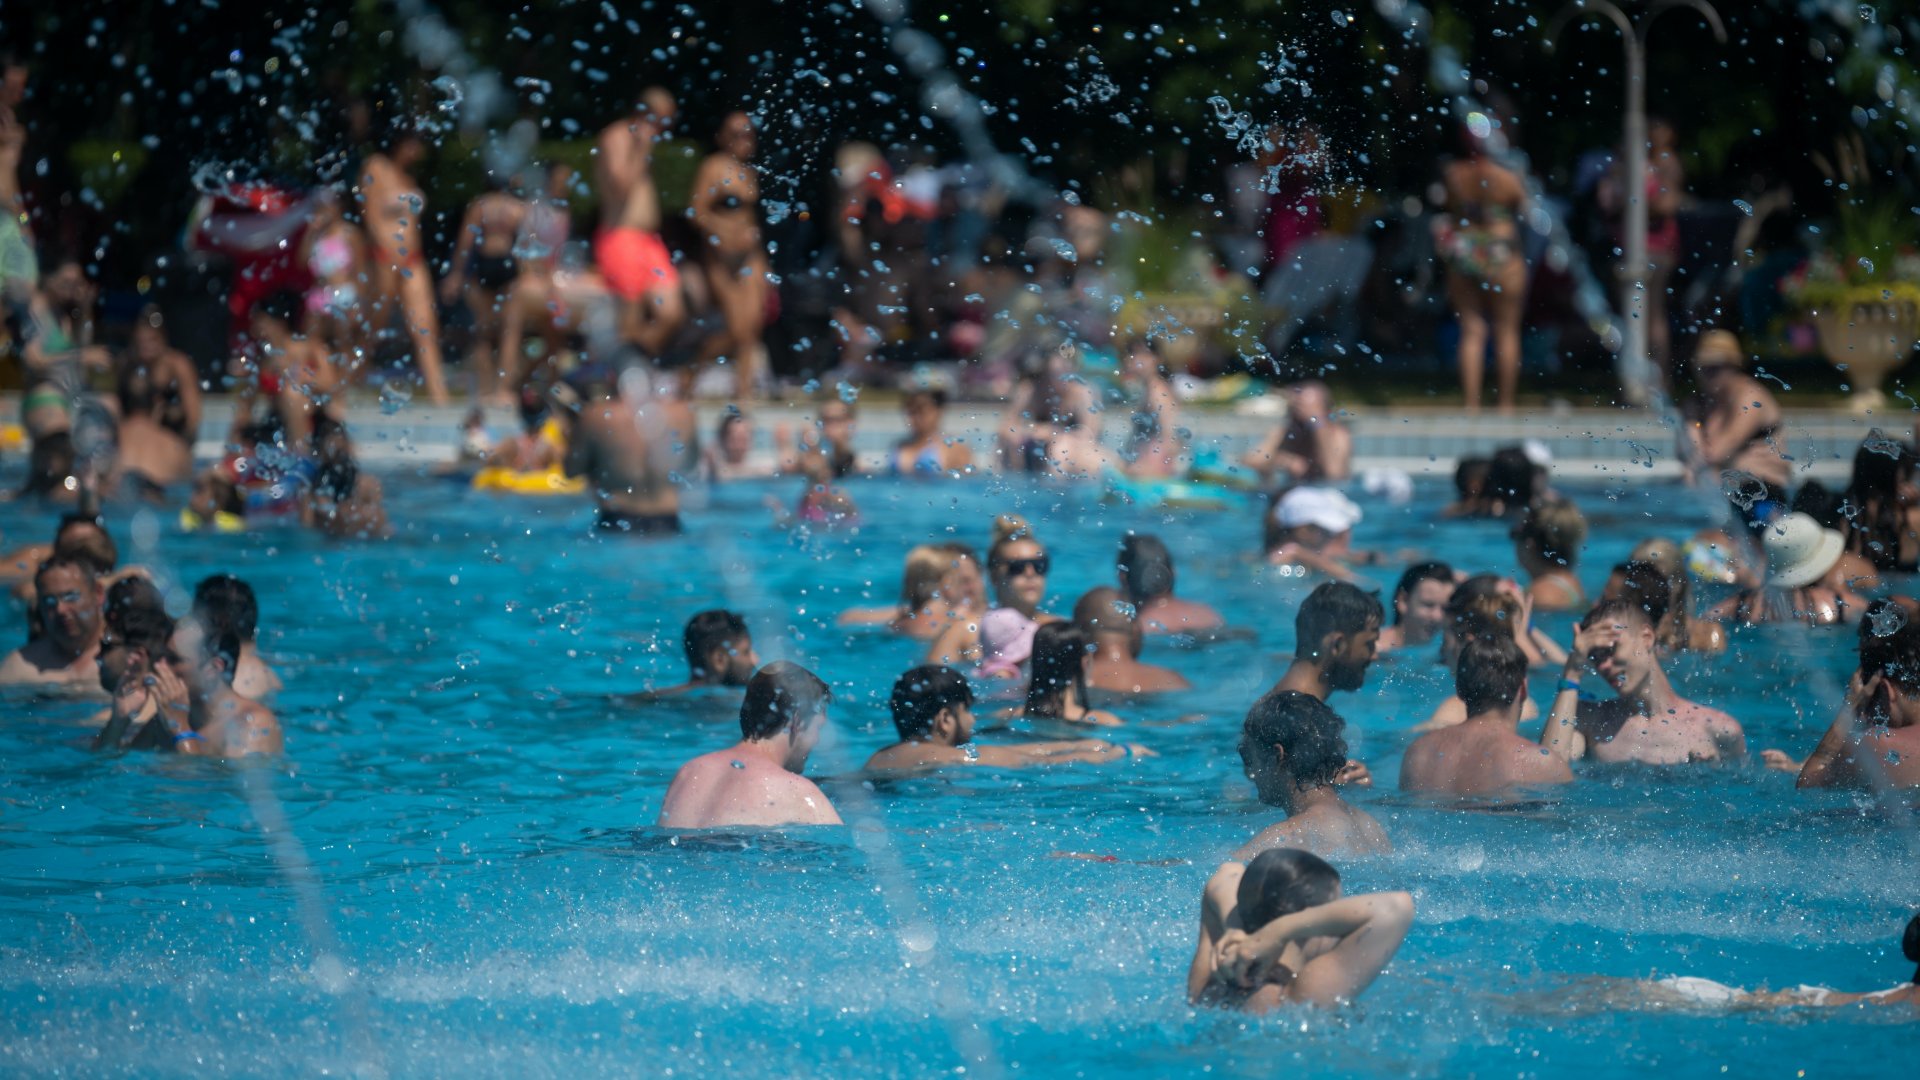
(68, 597)
(1292, 749)
(1877, 730)
(1648, 722)
(757, 781)
(933, 711)
(631, 446)
(627, 248)
(1483, 754)
(392, 205)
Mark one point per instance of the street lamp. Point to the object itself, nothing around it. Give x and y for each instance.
(1632, 365)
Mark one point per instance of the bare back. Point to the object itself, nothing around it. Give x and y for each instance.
(1476, 188)
(628, 454)
(1328, 830)
(731, 788)
(1478, 758)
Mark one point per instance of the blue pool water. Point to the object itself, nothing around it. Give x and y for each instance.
(454, 871)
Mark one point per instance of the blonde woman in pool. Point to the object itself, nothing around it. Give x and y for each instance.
(941, 585)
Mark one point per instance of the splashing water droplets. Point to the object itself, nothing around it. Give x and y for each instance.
(1886, 620)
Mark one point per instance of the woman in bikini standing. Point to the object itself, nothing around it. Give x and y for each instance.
(1478, 237)
(726, 194)
(391, 205)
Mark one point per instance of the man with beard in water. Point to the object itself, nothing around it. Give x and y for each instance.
(1336, 635)
(719, 653)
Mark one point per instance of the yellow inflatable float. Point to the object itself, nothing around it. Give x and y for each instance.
(538, 482)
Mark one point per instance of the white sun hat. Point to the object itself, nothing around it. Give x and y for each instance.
(1799, 551)
(1319, 506)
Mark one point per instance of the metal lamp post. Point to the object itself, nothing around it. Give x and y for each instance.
(1632, 366)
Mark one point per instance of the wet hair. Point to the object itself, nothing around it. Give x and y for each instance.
(1334, 608)
(1414, 575)
(1910, 944)
(1556, 529)
(1146, 568)
(1059, 655)
(1625, 610)
(1895, 655)
(926, 565)
(1511, 478)
(1664, 556)
(1281, 882)
(707, 631)
(779, 695)
(1305, 728)
(1875, 525)
(63, 561)
(1646, 586)
(1008, 529)
(1481, 608)
(1822, 504)
(95, 546)
(222, 602)
(1470, 478)
(920, 694)
(1490, 674)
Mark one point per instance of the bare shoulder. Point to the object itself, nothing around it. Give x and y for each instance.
(1278, 835)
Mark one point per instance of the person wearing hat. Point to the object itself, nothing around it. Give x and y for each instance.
(1647, 721)
(1312, 527)
(1806, 578)
(1735, 426)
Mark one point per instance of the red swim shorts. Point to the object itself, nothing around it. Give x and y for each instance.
(634, 262)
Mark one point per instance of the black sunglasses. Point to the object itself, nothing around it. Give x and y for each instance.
(1037, 565)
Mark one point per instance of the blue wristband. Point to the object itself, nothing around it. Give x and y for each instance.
(1569, 684)
(182, 736)
(1126, 749)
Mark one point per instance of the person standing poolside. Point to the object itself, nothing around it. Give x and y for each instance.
(757, 781)
(724, 206)
(1484, 753)
(719, 651)
(1311, 448)
(1292, 749)
(1477, 235)
(391, 205)
(933, 712)
(633, 447)
(1881, 715)
(199, 712)
(483, 272)
(1663, 188)
(159, 394)
(627, 247)
(1419, 606)
(67, 598)
(1277, 932)
(1733, 424)
(1146, 574)
(1648, 722)
(225, 604)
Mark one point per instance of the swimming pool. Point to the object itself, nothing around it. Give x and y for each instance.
(455, 870)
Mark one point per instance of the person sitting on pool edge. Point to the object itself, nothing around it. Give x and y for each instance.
(1146, 577)
(68, 602)
(223, 602)
(757, 781)
(199, 713)
(1110, 624)
(932, 709)
(1419, 606)
(1881, 712)
(719, 651)
(1647, 722)
(1483, 753)
(1277, 931)
(1292, 749)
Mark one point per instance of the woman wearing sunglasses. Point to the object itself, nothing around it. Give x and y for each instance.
(1002, 640)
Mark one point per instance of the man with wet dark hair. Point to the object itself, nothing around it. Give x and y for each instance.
(757, 782)
(67, 596)
(719, 651)
(1293, 750)
(1483, 753)
(1146, 577)
(1881, 714)
(932, 709)
(1419, 606)
(224, 603)
(1336, 635)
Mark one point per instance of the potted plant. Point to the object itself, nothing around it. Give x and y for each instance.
(1863, 289)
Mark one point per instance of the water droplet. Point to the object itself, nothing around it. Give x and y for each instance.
(1886, 619)
(1865, 263)
(1341, 19)
(394, 396)
(1743, 206)
(1742, 489)
(1878, 442)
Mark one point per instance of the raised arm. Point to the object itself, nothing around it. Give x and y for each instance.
(1218, 914)
(1832, 762)
(1561, 736)
(1720, 447)
(1370, 928)
(958, 643)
